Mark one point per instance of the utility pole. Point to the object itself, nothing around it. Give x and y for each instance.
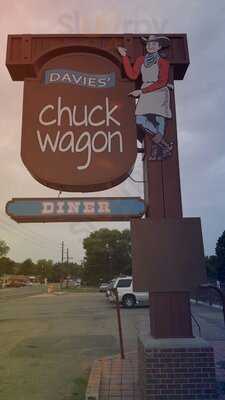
(67, 262)
(61, 277)
(62, 251)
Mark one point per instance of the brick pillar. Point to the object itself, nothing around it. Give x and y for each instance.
(172, 369)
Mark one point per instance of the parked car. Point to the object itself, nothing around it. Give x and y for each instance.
(71, 283)
(15, 281)
(103, 286)
(29, 284)
(127, 297)
(15, 284)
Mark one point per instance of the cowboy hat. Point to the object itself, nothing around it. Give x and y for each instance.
(163, 40)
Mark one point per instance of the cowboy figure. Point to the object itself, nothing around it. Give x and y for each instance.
(153, 105)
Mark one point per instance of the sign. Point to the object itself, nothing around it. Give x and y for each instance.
(72, 77)
(79, 130)
(88, 97)
(75, 209)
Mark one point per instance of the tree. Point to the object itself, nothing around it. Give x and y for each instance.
(7, 266)
(211, 267)
(220, 253)
(107, 254)
(62, 271)
(45, 269)
(4, 248)
(27, 267)
(71, 269)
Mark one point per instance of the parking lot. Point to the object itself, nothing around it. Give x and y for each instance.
(47, 341)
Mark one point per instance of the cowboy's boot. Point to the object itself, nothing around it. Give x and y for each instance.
(157, 138)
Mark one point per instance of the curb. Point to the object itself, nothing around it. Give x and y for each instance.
(93, 387)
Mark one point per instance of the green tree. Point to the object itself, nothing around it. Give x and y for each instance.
(4, 248)
(220, 253)
(7, 266)
(27, 267)
(211, 267)
(62, 271)
(71, 269)
(45, 269)
(107, 254)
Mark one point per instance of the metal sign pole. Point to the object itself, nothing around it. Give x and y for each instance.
(119, 324)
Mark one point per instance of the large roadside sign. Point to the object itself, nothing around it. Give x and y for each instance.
(78, 124)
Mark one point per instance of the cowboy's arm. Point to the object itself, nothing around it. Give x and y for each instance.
(132, 71)
(162, 79)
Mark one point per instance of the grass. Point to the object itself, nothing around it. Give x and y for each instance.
(80, 385)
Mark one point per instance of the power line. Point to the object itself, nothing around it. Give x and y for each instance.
(26, 230)
(13, 230)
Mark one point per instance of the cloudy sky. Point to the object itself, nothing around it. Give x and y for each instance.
(200, 111)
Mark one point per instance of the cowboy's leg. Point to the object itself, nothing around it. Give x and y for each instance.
(149, 128)
(146, 124)
(161, 124)
(161, 121)
(160, 129)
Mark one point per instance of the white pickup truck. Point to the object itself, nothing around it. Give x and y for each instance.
(127, 296)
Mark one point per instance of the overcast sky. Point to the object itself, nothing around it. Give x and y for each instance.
(200, 112)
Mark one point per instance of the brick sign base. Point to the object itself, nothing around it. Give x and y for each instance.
(176, 369)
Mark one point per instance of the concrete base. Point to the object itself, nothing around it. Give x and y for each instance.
(176, 369)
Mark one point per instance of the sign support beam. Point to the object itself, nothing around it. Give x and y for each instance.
(163, 199)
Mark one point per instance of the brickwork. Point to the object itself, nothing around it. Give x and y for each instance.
(180, 371)
(119, 378)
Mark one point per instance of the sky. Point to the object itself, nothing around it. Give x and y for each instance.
(200, 102)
